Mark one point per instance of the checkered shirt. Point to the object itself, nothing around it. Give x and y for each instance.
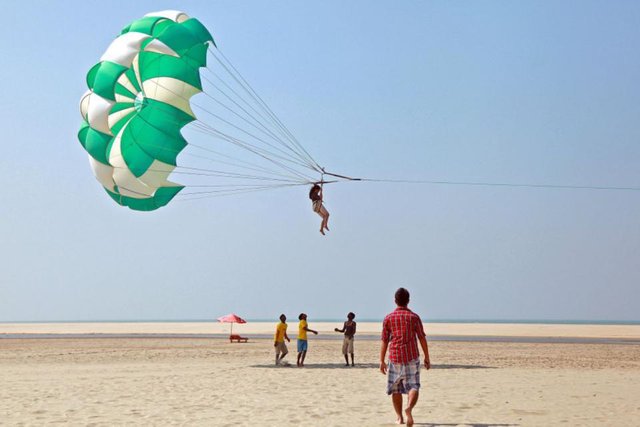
(400, 329)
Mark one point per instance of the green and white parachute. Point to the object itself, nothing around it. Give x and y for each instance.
(137, 103)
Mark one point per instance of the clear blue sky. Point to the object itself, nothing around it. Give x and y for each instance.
(530, 91)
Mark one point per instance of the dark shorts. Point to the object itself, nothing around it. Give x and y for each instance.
(302, 345)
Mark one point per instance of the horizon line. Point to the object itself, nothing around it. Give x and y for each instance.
(326, 320)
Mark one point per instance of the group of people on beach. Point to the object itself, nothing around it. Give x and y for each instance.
(402, 338)
(348, 329)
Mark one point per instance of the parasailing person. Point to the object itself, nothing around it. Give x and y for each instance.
(315, 194)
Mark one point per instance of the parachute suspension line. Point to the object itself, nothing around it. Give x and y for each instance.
(213, 173)
(221, 190)
(287, 178)
(246, 189)
(205, 128)
(183, 197)
(235, 162)
(249, 105)
(260, 127)
(217, 193)
(266, 132)
(235, 74)
(254, 150)
(258, 124)
(292, 148)
(230, 164)
(288, 158)
(244, 84)
(265, 105)
(238, 79)
(209, 172)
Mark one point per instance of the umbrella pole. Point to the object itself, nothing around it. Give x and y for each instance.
(231, 329)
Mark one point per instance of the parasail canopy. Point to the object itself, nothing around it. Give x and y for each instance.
(139, 103)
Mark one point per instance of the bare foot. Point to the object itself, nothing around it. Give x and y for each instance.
(322, 231)
(407, 412)
(400, 420)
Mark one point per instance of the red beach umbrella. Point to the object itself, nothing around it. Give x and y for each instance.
(231, 318)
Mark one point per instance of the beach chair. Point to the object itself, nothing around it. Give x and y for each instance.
(237, 338)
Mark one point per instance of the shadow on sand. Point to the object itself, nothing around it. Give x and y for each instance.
(321, 366)
(465, 424)
(373, 366)
(464, 367)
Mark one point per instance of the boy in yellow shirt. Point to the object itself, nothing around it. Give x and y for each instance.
(279, 337)
(302, 338)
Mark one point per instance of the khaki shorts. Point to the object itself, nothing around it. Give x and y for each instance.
(347, 345)
(281, 347)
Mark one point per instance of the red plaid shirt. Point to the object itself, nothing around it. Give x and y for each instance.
(400, 329)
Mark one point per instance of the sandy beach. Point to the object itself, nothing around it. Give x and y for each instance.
(169, 164)
(522, 330)
(208, 381)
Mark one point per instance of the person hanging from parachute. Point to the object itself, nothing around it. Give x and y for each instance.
(138, 101)
(315, 194)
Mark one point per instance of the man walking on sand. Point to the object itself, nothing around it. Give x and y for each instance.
(401, 331)
(278, 339)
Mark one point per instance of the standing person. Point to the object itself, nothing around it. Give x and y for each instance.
(280, 336)
(349, 329)
(303, 344)
(315, 194)
(401, 331)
